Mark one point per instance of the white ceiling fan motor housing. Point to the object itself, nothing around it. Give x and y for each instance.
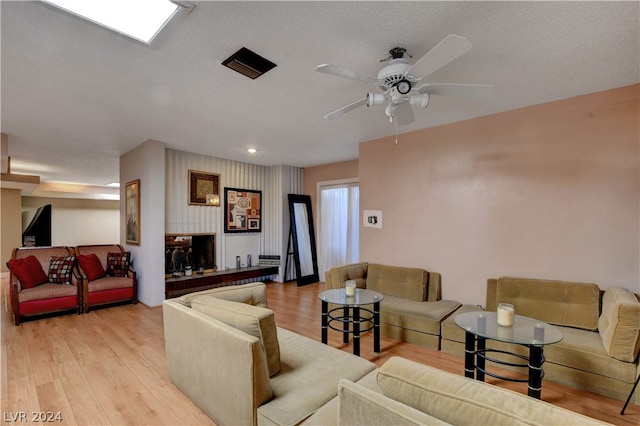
(393, 73)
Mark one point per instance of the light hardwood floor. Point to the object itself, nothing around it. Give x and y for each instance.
(108, 367)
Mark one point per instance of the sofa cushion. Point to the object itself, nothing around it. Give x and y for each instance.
(420, 316)
(109, 283)
(326, 415)
(356, 272)
(91, 266)
(458, 400)
(309, 378)
(253, 320)
(28, 271)
(579, 350)
(252, 294)
(556, 302)
(408, 283)
(47, 291)
(118, 264)
(361, 406)
(60, 269)
(619, 324)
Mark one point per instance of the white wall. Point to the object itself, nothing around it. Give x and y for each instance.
(77, 221)
(146, 162)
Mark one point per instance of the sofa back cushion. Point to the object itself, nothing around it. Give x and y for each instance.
(100, 250)
(253, 320)
(563, 303)
(358, 405)
(407, 283)
(619, 324)
(461, 401)
(254, 294)
(356, 272)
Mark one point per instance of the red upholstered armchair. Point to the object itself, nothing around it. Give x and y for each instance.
(107, 275)
(43, 280)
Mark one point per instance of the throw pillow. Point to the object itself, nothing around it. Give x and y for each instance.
(91, 266)
(28, 271)
(60, 269)
(619, 324)
(118, 264)
(254, 320)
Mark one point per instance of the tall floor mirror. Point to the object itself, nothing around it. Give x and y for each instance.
(303, 239)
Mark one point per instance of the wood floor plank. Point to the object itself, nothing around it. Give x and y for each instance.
(80, 394)
(54, 405)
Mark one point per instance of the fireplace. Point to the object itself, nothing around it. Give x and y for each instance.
(189, 251)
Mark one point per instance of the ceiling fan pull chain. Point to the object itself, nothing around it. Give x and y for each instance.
(396, 132)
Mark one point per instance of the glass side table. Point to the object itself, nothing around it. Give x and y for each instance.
(349, 313)
(534, 334)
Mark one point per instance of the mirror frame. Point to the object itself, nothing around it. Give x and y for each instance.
(306, 201)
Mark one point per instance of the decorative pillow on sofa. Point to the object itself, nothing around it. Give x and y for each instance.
(60, 269)
(619, 324)
(28, 271)
(91, 266)
(118, 264)
(254, 320)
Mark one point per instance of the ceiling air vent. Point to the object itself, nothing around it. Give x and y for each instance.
(248, 63)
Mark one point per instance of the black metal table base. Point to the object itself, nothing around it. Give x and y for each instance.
(351, 320)
(475, 357)
(629, 397)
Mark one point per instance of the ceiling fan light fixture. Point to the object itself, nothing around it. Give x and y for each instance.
(403, 86)
(375, 99)
(390, 110)
(421, 100)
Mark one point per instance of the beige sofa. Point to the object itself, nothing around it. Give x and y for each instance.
(412, 309)
(232, 361)
(599, 351)
(225, 353)
(409, 393)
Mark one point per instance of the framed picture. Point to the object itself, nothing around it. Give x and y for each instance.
(132, 211)
(204, 188)
(242, 210)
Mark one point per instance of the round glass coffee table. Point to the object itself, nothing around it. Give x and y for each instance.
(482, 326)
(351, 314)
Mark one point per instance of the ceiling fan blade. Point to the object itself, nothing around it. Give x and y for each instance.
(447, 50)
(474, 91)
(346, 108)
(404, 114)
(343, 72)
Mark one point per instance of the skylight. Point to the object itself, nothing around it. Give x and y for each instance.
(138, 19)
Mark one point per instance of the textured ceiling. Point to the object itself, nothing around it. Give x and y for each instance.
(76, 96)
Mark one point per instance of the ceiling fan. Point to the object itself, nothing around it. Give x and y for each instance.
(398, 81)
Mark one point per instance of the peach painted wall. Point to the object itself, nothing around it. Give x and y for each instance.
(326, 173)
(548, 191)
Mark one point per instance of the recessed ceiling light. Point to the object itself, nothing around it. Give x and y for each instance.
(252, 150)
(138, 19)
